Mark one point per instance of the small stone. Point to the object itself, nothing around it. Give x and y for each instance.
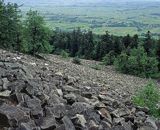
(59, 74)
(71, 98)
(59, 91)
(119, 121)
(5, 93)
(80, 120)
(5, 83)
(93, 125)
(68, 88)
(127, 125)
(121, 112)
(105, 114)
(146, 128)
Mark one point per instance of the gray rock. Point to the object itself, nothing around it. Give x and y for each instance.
(71, 98)
(5, 94)
(12, 115)
(127, 125)
(105, 114)
(144, 109)
(68, 123)
(79, 107)
(48, 123)
(117, 128)
(68, 88)
(106, 98)
(146, 128)
(121, 112)
(5, 83)
(58, 110)
(151, 122)
(93, 125)
(59, 92)
(80, 120)
(118, 121)
(35, 106)
(28, 126)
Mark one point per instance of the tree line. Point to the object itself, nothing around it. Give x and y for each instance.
(130, 54)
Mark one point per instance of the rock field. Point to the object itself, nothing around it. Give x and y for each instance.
(51, 93)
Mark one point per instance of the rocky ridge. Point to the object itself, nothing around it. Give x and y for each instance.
(37, 95)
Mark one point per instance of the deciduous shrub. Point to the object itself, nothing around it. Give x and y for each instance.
(137, 62)
(109, 58)
(64, 54)
(149, 97)
(76, 60)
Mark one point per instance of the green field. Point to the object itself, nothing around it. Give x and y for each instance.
(119, 19)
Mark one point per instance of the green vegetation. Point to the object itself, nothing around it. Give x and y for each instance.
(137, 62)
(64, 54)
(109, 58)
(119, 19)
(96, 67)
(36, 34)
(130, 54)
(76, 60)
(148, 97)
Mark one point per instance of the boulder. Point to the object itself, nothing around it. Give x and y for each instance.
(68, 123)
(12, 116)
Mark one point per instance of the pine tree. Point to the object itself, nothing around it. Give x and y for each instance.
(37, 34)
(10, 31)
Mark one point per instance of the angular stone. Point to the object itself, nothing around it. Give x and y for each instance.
(5, 83)
(71, 80)
(127, 125)
(79, 107)
(121, 112)
(5, 94)
(58, 110)
(71, 98)
(68, 123)
(80, 120)
(93, 125)
(144, 109)
(117, 128)
(28, 126)
(12, 115)
(59, 74)
(68, 88)
(146, 128)
(105, 114)
(105, 98)
(118, 121)
(35, 106)
(59, 91)
(48, 123)
(151, 122)
(99, 105)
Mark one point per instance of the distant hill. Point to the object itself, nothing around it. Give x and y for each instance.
(73, 2)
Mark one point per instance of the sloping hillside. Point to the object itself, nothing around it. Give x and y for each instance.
(51, 93)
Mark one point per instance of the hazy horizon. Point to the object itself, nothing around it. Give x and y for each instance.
(74, 2)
